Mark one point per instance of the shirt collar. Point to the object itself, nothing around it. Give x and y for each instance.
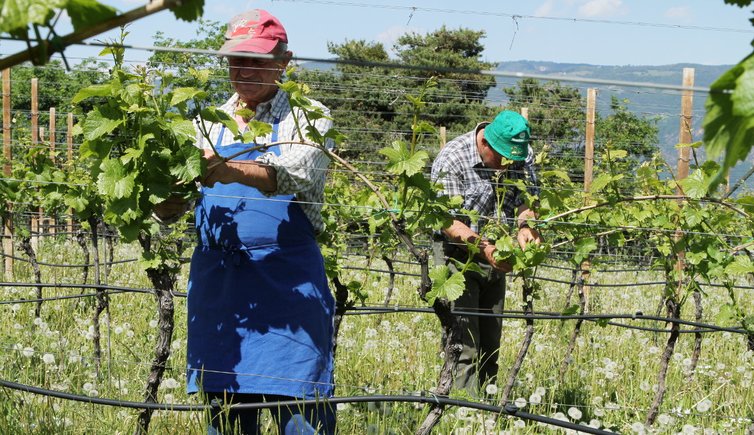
(276, 106)
(477, 159)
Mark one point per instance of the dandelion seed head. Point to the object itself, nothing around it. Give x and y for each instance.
(638, 427)
(688, 429)
(535, 399)
(704, 405)
(574, 413)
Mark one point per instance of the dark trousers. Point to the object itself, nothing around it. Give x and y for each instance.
(484, 293)
(297, 419)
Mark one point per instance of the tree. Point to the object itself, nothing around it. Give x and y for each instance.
(369, 99)
(626, 131)
(56, 85)
(363, 96)
(556, 116)
(209, 36)
(458, 101)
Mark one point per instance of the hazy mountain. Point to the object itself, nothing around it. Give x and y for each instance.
(663, 105)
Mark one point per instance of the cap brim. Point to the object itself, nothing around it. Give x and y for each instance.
(260, 46)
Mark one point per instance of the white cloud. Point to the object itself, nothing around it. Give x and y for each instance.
(544, 9)
(678, 13)
(390, 35)
(602, 8)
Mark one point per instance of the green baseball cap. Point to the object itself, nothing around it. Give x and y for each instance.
(508, 134)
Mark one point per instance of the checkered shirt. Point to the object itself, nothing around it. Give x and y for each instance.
(300, 169)
(459, 168)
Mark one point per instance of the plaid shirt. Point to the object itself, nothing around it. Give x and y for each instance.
(459, 168)
(300, 169)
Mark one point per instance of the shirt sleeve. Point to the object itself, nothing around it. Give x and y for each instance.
(300, 167)
(444, 174)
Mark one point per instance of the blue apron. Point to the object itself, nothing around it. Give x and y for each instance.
(260, 313)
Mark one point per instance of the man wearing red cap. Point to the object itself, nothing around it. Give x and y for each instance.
(260, 313)
(481, 166)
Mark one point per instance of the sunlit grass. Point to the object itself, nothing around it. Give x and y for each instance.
(610, 382)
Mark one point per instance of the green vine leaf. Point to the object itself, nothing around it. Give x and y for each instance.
(189, 10)
(445, 284)
(563, 175)
(573, 309)
(183, 94)
(729, 122)
(114, 180)
(86, 13)
(101, 121)
(18, 14)
(695, 185)
(600, 181)
(183, 131)
(742, 265)
(583, 248)
(188, 164)
(402, 162)
(100, 90)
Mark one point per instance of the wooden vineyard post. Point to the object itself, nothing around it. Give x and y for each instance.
(52, 134)
(69, 157)
(525, 113)
(52, 219)
(7, 169)
(684, 153)
(35, 216)
(684, 134)
(591, 107)
(672, 300)
(443, 136)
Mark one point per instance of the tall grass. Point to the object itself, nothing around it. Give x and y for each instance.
(608, 384)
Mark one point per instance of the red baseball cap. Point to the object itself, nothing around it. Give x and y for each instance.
(254, 31)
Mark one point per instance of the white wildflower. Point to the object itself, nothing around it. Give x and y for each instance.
(638, 427)
(574, 413)
(535, 399)
(704, 405)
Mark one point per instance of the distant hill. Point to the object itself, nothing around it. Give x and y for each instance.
(662, 104)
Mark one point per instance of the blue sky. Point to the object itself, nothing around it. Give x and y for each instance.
(532, 35)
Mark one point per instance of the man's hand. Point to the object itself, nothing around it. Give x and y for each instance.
(218, 171)
(488, 250)
(526, 235)
(171, 209)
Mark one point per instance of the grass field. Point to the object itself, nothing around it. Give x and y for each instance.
(609, 384)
